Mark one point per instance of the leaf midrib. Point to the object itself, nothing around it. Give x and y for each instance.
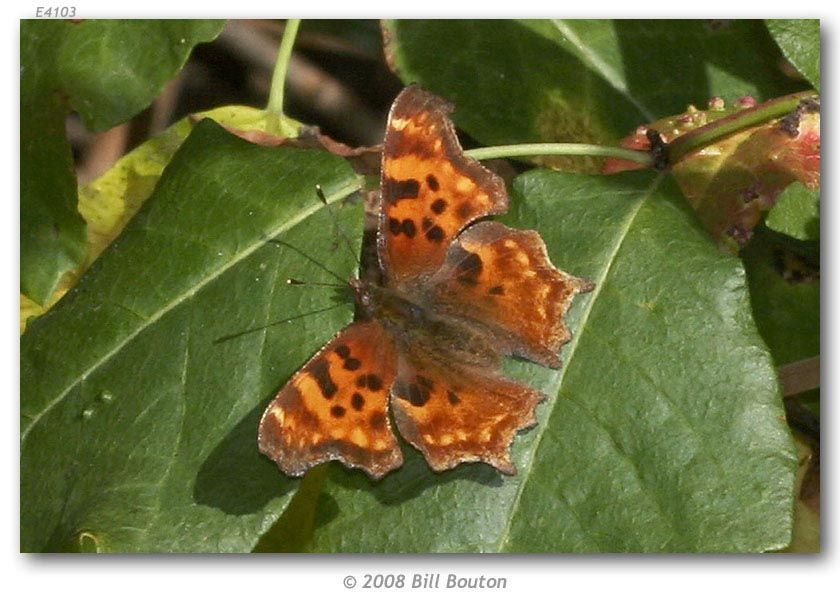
(211, 276)
(601, 67)
(558, 377)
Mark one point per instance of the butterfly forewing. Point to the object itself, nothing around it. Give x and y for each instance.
(430, 190)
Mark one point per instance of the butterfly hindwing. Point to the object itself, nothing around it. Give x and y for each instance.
(503, 278)
(455, 414)
(336, 407)
(430, 190)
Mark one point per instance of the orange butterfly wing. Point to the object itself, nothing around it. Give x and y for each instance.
(501, 281)
(430, 190)
(336, 407)
(504, 278)
(479, 292)
(458, 413)
(496, 285)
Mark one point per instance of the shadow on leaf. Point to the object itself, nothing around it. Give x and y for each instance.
(413, 478)
(236, 478)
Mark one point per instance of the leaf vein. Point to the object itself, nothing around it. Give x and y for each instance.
(177, 300)
(605, 70)
(558, 378)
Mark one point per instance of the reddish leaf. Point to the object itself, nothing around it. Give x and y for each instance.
(734, 180)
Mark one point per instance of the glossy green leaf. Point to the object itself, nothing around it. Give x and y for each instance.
(579, 80)
(799, 40)
(797, 213)
(664, 431)
(138, 427)
(107, 71)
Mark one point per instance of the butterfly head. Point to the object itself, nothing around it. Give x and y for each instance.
(386, 304)
(364, 292)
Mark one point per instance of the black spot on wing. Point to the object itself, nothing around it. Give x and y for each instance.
(394, 226)
(439, 205)
(468, 268)
(395, 190)
(435, 234)
(409, 228)
(417, 394)
(413, 392)
(321, 373)
(374, 382)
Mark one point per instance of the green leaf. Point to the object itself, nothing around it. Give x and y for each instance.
(799, 40)
(138, 427)
(797, 213)
(786, 310)
(785, 295)
(107, 203)
(52, 234)
(662, 65)
(142, 438)
(663, 433)
(114, 69)
(579, 80)
(107, 71)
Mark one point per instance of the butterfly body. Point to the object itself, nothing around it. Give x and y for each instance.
(455, 297)
(412, 322)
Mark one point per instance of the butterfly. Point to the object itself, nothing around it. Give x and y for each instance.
(457, 293)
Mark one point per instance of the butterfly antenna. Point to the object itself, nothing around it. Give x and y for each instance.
(343, 280)
(232, 336)
(293, 281)
(342, 234)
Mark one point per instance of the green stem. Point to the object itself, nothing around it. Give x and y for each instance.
(743, 119)
(276, 118)
(643, 158)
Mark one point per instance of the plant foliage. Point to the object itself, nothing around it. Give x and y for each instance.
(142, 387)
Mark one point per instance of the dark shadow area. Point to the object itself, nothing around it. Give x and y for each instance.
(328, 509)
(413, 478)
(406, 483)
(481, 74)
(235, 477)
(667, 62)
